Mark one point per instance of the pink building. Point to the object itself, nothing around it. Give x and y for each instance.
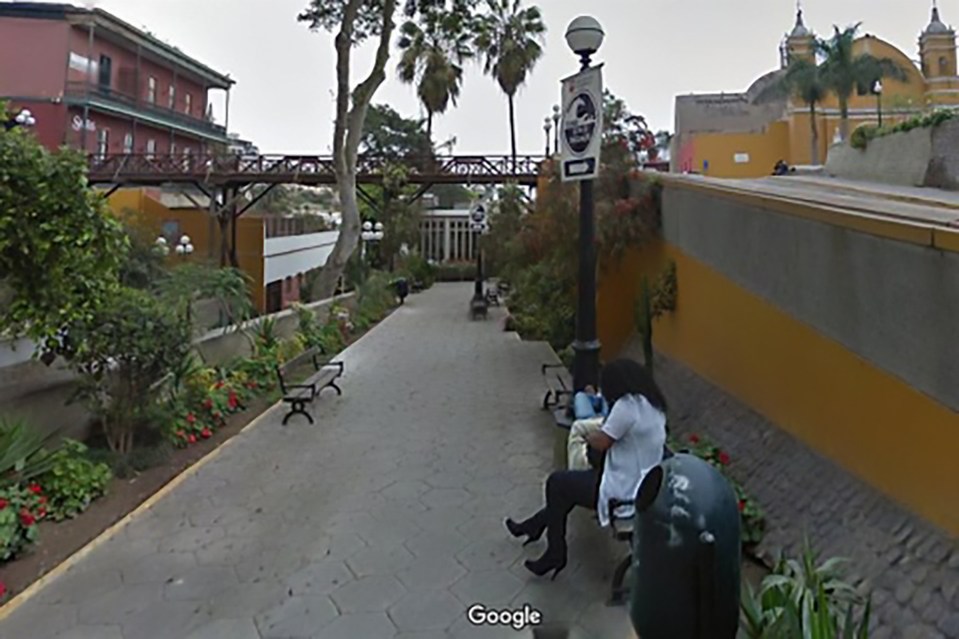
(95, 83)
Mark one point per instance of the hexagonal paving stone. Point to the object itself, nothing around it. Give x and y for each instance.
(431, 573)
(296, 617)
(491, 554)
(368, 594)
(92, 632)
(320, 578)
(389, 534)
(40, 622)
(360, 625)
(405, 489)
(439, 497)
(247, 600)
(158, 568)
(78, 583)
(227, 551)
(487, 587)
(219, 515)
(464, 629)
(164, 620)
(118, 604)
(269, 564)
(200, 584)
(189, 539)
(426, 611)
(227, 629)
(380, 561)
(444, 543)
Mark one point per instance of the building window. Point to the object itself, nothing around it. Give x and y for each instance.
(171, 98)
(106, 71)
(151, 148)
(103, 142)
(944, 66)
(152, 90)
(128, 143)
(189, 104)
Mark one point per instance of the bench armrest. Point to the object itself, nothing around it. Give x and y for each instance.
(546, 367)
(317, 364)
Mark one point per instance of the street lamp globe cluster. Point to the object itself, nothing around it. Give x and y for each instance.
(585, 36)
(183, 248)
(24, 118)
(372, 232)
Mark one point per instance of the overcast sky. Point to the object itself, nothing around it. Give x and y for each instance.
(654, 50)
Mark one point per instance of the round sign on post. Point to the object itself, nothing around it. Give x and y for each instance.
(582, 125)
(478, 218)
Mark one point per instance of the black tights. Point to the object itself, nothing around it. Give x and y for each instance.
(564, 490)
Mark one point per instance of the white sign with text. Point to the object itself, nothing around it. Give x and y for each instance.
(582, 125)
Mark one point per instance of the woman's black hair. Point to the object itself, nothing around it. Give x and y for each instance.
(628, 377)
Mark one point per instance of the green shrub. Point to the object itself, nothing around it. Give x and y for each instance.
(416, 269)
(73, 482)
(458, 272)
(22, 456)
(860, 137)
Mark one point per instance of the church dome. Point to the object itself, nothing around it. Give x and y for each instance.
(800, 30)
(936, 26)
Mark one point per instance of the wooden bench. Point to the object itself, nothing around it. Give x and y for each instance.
(478, 309)
(299, 395)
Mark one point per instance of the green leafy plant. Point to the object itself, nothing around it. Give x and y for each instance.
(22, 456)
(228, 287)
(21, 509)
(265, 339)
(752, 519)
(74, 481)
(805, 599)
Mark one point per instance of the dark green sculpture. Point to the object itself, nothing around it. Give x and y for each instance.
(686, 553)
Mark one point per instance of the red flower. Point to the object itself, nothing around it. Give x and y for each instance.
(206, 433)
(35, 489)
(42, 500)
(232, 400)
(180, 434)
(219, 385)
(724, 458)
(191, 438)
(41, 513)
(742, 505)
(3, 590)
(694, 439)
(26, 518)
(208, 403)
(190, 418)
(3, 503)
(217, 414)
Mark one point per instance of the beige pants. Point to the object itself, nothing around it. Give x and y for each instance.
(576, 445)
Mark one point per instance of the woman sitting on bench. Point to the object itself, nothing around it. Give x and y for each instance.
(633, 437)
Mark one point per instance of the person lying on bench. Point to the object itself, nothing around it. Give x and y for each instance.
(633, 438)
(588, 403)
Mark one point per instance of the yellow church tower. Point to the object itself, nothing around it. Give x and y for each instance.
(937, 51)
(800, 43)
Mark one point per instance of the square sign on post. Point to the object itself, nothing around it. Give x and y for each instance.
(582, 132)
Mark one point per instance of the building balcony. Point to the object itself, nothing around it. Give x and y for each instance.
(117, 102)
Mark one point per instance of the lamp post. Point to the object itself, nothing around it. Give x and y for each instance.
(24, 119)
(479, 226)
(556, 116)
(584, 37)
(183, 248)
(547, 125)
(877, 89)
(371, 233)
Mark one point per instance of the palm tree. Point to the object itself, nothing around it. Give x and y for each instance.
(804, 80)
(844, 72)
(432, 58)
(510, 38)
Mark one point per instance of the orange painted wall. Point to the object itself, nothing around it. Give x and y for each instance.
(811, 386)
(204, 235)
(719, 149)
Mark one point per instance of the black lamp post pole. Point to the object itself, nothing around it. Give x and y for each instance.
(586, 347)
(478, 285)
(879, 106)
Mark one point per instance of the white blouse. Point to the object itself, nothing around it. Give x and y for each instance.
(639, 431)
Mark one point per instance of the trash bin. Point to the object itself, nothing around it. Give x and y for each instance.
(402, 289)
(686, 553)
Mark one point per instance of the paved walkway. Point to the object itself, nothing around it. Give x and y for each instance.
(382, 520)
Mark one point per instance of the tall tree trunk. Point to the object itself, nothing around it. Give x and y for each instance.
(348, 130)
(512, 127)
(815, 134)
(844, 118)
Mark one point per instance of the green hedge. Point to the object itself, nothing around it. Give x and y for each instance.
(863, 135)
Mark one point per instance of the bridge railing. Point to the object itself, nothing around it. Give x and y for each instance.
(119, 167)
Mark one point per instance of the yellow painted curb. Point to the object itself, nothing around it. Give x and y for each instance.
(10, 607)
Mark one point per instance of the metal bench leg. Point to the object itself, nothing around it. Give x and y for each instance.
(619, 590)
(338, 390)
(298, 409)
(547, 400)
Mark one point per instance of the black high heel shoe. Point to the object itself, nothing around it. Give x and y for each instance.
(546, 563)
(518, 530)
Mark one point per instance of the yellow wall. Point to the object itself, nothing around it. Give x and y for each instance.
(719, 149)
(205, 236)
(865, 419)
